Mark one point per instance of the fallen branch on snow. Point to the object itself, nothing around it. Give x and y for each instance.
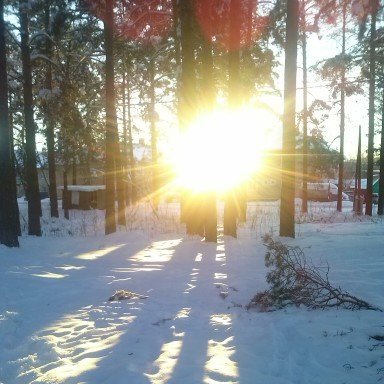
(126, 295)
(294, 280)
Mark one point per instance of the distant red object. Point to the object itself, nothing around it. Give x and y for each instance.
(146, 21)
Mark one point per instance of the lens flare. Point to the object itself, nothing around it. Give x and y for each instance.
(220, 151)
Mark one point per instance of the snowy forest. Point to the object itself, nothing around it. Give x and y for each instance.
(191, 191)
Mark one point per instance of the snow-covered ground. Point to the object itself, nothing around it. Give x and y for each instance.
(57, 325)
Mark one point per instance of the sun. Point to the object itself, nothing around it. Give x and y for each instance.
(219, 151)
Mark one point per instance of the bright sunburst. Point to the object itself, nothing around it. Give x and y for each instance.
(219, 151)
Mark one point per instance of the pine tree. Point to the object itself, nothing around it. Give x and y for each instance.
(9, 225)
(304, 207)
(208, 93)
(110, 115)
(34, 204)
(230, 208)
(287, 206)
(371, 113)
(50, 126)
(190, 209)
(380, 207)
(342, 109)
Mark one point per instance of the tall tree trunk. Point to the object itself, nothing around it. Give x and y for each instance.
(66, 196)
(357, 201)
(188, 101)
(371, 115)
(380, 207)
(187, 104)
(287, 206)
(8, 213)
(13, 170)
(132, 164)
(177, 40)
(209, 207)
(120, 187)
(50, 126)
(155, 190)
(34, 204)
(342, 114)
(125, 162)
(110, 112)
(304, 207)
(231, 204)
(74, 171)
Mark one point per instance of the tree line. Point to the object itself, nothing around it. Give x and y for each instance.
(68, 70)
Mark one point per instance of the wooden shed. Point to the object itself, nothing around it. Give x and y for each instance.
(85, 197)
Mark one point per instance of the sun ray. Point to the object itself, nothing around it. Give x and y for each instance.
(220, 150)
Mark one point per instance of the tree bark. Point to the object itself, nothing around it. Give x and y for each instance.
(155, 190)
(380, 207)
(110, 187)
(8, 213)
(132, 164)
(74, 172)
(188, 101)
(177, 40)
(287, 206)
(50, 126)
(371, 115)
(342, 114)
(231, 204)
(208, 101)
(304, 207)
(14, 173)
(34, 204)
(357, 201)
(66, 201)
(125, 162)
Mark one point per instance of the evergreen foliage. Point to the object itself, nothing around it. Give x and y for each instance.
(295, 280)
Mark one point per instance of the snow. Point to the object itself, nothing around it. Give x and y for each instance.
(58, 326)
(84, 188)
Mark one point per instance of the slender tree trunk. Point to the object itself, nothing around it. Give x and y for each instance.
(380, 207)
(177, 39)
(125, 162)
(209, 207)
(153, 117)
(34, 204)
(342, 114)
(231, 203)
(371, 115)
(120, 187)
(304, 207)
(50, 136)
(88, 177)
(287, 207)
(358, 204)
(132, 164)
(8, 213)
(74, 172)
(50, 126)
(110, 188)
(66, 200)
